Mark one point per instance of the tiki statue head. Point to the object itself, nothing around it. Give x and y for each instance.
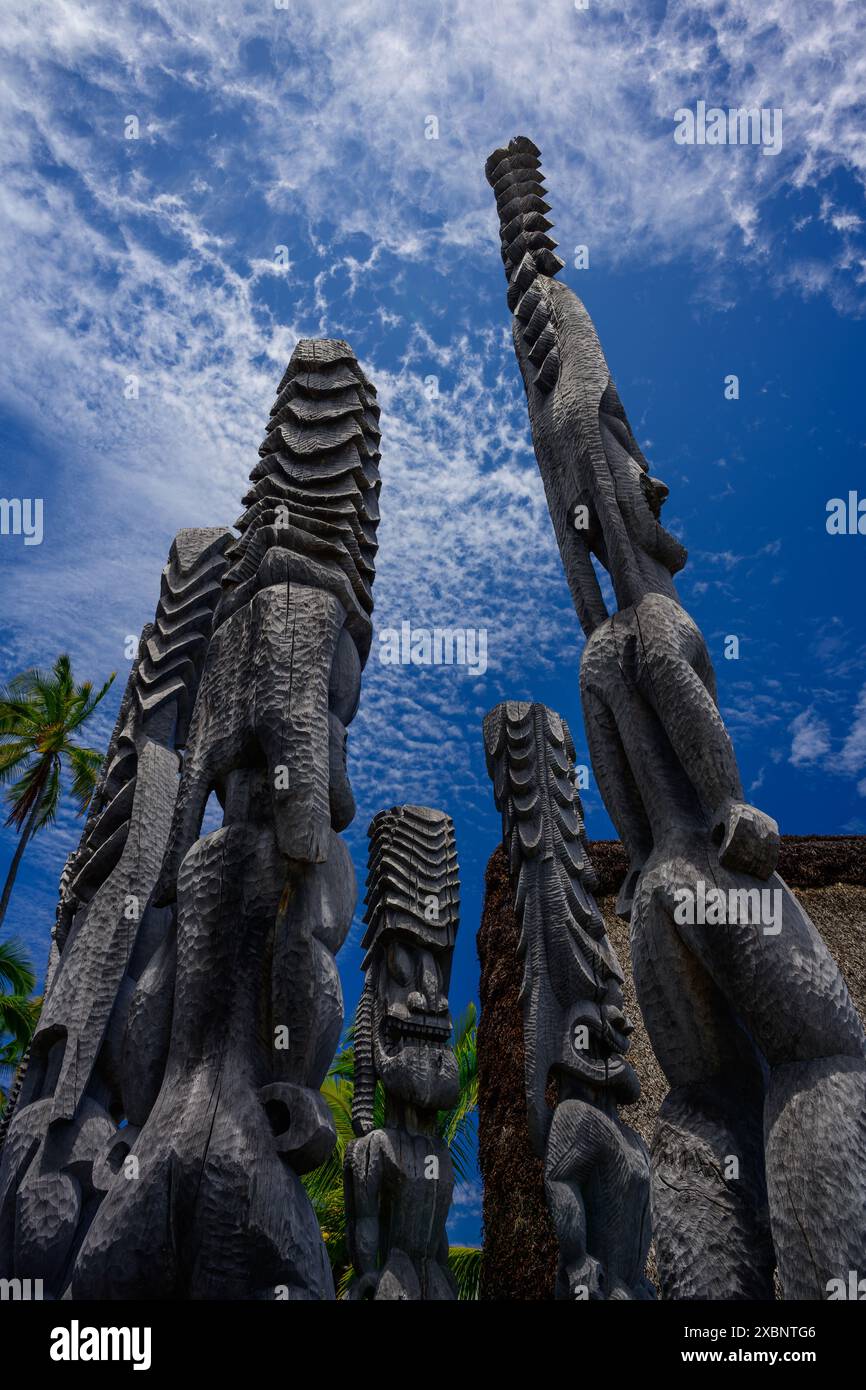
(403, 1024)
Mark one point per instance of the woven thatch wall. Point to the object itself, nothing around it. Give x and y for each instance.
(828, 873)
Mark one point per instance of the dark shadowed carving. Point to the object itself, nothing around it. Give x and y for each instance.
(70, 1126)
(234, 1115)
(760, 1151)
(596, 1169)
(175, 1171)
(399, 1177)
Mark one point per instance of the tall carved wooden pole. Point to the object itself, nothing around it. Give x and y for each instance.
(575, 1033)
(65, 1128)
(759, 1157)
(210, 1102)
(398, 1174)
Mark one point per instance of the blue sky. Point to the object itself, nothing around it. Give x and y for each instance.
(304, 128)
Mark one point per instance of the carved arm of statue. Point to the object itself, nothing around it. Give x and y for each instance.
(362, 1179)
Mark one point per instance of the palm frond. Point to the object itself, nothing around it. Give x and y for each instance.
(458, 1125)
(39, 710)
(21, 683)
(85, 764)
(19, 717)
(50, 690)
(16, 971)
(465, 1026)
(343, 1065)
(85, 702)
(12, 755)
(18, 1019)
(464, 1261)
(50, 797)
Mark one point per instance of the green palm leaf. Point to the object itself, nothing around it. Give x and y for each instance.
(17, 1018)
(40, 711)
(12, 755)
(19, 1011)
(85, 764)
(464, 1261)
(16, 972)
(457, 1126)
(50, 797)
(85, 701)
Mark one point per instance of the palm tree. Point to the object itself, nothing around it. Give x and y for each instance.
(18, 1011)
(39, 713)
(325, 1185)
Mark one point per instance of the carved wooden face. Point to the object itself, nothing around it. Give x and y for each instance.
(411, 1022)
(597, 1038)
(639, 496)
(597, 481)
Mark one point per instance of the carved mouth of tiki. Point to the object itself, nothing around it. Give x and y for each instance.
(600, 1039)
(426, 1028)
(603, 1068)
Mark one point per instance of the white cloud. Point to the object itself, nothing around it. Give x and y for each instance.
(812, 743)
(811, 739)
(154, 258)
(337, 116)
(852, 757)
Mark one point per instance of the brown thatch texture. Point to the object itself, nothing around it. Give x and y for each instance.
(828, 874)
(519, 1243)
(805, 861)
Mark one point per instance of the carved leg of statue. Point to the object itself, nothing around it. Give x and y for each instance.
(363, 1177)
(398, 1281)
(814, 1055)
(441, 1284)
(708, 1178)
(579, 1274)
(306, 994)
(816, 1155)
(40, 1221)
(618, 788)
(597, 1186)
(710, 1218)
(210, 1207)
(792, 998)
(441, 1287)
(570, 1158)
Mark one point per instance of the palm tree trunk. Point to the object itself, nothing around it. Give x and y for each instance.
(16, 858)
